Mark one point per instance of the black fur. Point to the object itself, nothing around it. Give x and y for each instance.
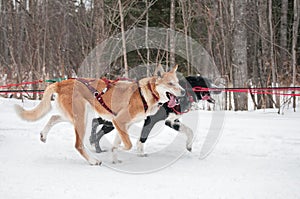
(95, 137)
(162, 114)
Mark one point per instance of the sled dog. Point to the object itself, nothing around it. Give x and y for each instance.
(171, 115)
(121, 102)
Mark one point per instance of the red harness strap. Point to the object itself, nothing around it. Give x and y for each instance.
(153, 94)
(96, 93)
(178, 112)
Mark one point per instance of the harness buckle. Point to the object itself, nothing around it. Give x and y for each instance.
(104, 90)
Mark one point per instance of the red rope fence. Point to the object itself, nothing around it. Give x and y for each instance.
(23, 91)
(20, 84)
(282, 91)
(269, 90)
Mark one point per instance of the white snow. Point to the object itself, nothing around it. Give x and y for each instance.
(257, 156)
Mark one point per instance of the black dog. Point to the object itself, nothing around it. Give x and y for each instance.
(170, 115)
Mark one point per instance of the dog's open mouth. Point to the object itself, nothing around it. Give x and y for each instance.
(173, 101)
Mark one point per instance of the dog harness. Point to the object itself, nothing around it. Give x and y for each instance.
(98, 95)
(143, 99)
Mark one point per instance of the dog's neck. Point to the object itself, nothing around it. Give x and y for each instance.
(148, 86)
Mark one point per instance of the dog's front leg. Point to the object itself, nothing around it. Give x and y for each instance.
(122, 130)
(189, 134)
(174, 123)
(123, 136)
(149, 123)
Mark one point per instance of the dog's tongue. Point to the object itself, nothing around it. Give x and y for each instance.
(172, 101)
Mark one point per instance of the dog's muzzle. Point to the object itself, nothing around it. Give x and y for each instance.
(173, 100)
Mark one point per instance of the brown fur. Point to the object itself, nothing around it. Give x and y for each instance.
(123, 98)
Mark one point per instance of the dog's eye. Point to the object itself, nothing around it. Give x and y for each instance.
(171, 84)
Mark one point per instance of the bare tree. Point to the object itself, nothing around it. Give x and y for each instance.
(272, 59)
(171, 35)
(294, 42)
(123, 38)
(146, 36)
(283, 37)
(49, 39)
(185, 17)
(239, 54)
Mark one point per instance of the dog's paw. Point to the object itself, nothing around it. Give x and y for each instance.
(43, 138)
(189, 146)
(142, 155)
(116, 161)
(99, 150)
(95, 162)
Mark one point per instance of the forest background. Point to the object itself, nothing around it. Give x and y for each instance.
(252, 42)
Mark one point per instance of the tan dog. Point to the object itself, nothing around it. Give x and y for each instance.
(122, 102)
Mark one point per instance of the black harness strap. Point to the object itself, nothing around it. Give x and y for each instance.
(143, 99)
(96, 94)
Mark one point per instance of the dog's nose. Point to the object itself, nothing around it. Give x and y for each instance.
(182, 92)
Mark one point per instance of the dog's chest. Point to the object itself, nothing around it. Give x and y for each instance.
(152, 110)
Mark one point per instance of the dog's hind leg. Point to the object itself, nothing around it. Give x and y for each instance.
(115, 148)
(106, 128)
(78, 119)
(96, 137)
(55, 119)
(79, 131)
(95, 123)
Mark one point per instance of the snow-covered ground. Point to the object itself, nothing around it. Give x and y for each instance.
(257, 156)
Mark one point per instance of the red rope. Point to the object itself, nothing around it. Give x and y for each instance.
(23, 83)
(24, 91)
(252, 90)
(269, 90)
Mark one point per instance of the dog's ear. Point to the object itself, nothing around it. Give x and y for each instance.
(174, 69)
(159, 71)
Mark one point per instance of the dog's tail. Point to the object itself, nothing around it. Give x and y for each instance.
(41, 109)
